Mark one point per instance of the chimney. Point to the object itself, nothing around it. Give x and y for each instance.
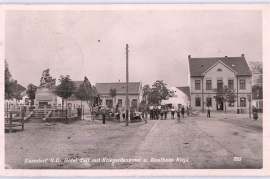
(242, 55)
(189, 56)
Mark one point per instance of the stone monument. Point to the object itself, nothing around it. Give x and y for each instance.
(44, 93)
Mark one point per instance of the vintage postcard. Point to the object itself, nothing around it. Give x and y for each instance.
(134, 90)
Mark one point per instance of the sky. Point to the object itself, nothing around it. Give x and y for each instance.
(92, 43)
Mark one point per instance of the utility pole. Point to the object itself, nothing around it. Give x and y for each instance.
(127, 100)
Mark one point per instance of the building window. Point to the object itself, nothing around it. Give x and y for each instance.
(219, 84)
(100, 102)
(242, 102)
(242, 84)
(134, 103)
(120, 103)
(109, 103)
(209, 101)
(230, 84)
(208, 84)
(197, 84)
(197, 102)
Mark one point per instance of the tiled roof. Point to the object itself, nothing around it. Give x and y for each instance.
(133, 87)
(185, 89)
(198, 66)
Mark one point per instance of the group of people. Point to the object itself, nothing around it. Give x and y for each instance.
(161, 112)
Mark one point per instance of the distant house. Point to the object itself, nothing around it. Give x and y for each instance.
(257, 97)
(180, 98)
(135, 94)
(206, 74)
(18, 89)
(186, 91)
(76, 102)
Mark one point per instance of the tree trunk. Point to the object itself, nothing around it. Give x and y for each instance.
(62, 107)
(225, 107)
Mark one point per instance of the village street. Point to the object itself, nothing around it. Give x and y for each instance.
(223, 141)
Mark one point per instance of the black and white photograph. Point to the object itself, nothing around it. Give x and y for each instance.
(128, 88)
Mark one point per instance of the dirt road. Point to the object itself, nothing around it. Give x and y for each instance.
(196, 143)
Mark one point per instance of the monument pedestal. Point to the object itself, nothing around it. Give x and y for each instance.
(45, 96)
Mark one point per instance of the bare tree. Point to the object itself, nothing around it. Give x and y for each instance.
(257, 72)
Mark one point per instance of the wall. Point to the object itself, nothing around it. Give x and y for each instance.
(214, 75)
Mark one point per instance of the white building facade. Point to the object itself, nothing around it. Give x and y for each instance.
(207, 74)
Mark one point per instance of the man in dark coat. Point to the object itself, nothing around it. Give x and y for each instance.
(104, 116)
(255, 113)
(183, 111)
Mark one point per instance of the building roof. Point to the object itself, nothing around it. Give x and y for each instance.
(198, 66)
(17, 88)
(185, 89)
(133, 87)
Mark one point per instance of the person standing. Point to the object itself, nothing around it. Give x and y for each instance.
(183, 111)
(151, 108)
(161, 113)
(255, 113)
(104, 116)
(79, 111)
(123, 114)
(165, 113)
(208, 112)
(172, 113)
(187, 111)
(178, 114)
(145, 113)
(155, 112)
(117, 115)
(159, 110)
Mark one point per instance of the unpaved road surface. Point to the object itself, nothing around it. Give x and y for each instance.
(194, 143)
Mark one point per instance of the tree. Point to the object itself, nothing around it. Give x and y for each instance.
(146, 90)
(257, 72)
(113, 93)
(9, 83)
(31, 92)
(65, 89)
(225, 94)
(158, 92)
(87, 92)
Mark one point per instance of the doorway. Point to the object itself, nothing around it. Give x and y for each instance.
(220, 106)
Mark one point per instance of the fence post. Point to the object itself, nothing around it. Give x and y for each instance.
(10, 123)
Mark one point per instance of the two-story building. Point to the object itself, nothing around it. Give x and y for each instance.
(206, 74)
(135, 94)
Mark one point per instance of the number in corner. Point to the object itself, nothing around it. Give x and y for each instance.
(237, 159)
